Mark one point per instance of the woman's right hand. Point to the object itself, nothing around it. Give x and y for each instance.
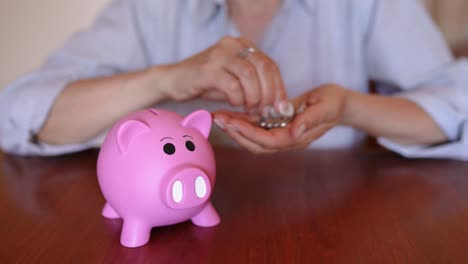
(220, 73)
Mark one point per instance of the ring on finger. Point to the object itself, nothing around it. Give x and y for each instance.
(244, 53)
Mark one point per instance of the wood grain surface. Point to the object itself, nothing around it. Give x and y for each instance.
(336, 206)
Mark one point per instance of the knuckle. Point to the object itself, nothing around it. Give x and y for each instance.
(266, 64)
(216, 53)
(231, 88)
(226, 40)
(231, 85)
(276, 69)
(274, 66)
(235, 99)
(244, 40)
(248, 71)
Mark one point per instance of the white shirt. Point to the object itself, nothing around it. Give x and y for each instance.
(312, 41)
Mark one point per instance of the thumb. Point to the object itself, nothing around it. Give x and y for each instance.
(312, 116)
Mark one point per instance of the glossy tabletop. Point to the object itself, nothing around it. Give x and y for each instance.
(335, 206)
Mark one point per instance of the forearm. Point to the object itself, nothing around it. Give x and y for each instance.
(397, 119)
(86, 108)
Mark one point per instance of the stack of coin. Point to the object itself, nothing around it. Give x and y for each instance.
(271, 118)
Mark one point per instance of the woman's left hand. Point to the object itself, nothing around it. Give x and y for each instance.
(325, 108)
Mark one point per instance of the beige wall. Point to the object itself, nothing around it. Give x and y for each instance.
(31, 29)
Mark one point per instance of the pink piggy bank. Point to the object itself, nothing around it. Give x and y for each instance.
(157, 168)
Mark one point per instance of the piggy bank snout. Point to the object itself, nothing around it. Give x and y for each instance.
(187, 188)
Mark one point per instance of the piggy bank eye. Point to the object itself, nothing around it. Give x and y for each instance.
(189, 145)
(169, 148)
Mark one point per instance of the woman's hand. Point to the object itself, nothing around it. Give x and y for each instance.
(324, 109)
(221, 73)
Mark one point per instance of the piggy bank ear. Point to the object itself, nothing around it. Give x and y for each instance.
(128, 131)
(199, 120)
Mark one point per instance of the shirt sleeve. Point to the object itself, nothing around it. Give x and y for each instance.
(405, 49)
(111, 45)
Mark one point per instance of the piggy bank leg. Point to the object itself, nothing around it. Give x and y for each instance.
(109, 212)
(134, 233)
(206, 217)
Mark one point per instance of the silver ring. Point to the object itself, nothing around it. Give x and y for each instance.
(245, 52)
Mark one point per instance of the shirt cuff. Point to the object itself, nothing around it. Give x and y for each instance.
(30, 102)
(452, 123)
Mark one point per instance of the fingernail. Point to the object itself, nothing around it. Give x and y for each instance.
(219, 123)
(300, 130)
(301, 108)
(269, 111)
(274, 113)
(286, 108)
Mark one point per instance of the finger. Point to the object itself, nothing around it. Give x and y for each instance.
(265, 71)
(214, 95)
(244, 142)
(311, 135)
(246, 42)
(278, 138)
(299, 100)
(271, 82)
(226, 56)
(221, 119)
(258, 141)
(247, 75)
(279, 88)
(230, 86)
(312, 116)
(227, 115)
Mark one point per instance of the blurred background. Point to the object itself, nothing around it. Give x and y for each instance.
(31, 29)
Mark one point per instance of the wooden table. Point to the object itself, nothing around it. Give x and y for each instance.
(337, 206)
